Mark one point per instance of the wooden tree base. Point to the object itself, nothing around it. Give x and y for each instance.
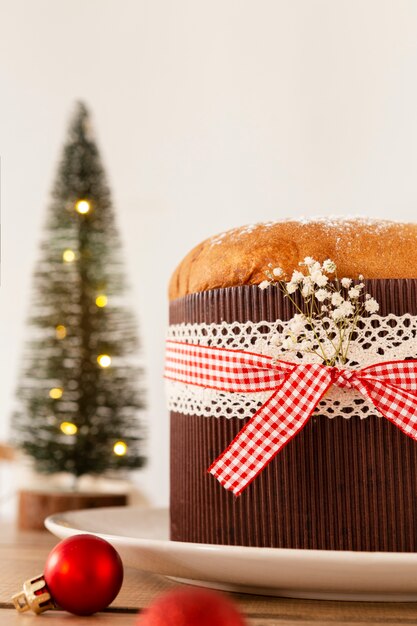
(34, 506)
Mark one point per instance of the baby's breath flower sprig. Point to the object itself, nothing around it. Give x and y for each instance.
(329, 312)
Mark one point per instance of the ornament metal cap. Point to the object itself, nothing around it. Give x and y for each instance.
(34, 596)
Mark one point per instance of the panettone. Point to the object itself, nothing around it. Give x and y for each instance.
(376, 249)
(348, 479)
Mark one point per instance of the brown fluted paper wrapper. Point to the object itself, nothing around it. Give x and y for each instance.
(340, 484)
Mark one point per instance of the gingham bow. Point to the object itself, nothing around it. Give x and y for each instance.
(296, 391)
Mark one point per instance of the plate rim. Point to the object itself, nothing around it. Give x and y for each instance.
(52, 524)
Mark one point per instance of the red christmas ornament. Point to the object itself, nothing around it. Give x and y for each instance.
(191, 607)
(83, 574)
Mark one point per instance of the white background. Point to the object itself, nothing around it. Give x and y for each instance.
(209, 114)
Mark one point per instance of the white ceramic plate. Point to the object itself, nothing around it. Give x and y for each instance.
(142, 538)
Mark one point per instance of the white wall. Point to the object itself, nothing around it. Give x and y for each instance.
(210, 114)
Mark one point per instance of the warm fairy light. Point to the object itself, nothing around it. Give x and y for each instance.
(60, 332)
(120, 448)
(104, 360)
(82, 206)
(68, 256)
(56, 393)
(68, 428)
(101, 300)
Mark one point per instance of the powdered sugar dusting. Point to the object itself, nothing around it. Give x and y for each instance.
(349, 223)
(241, 231)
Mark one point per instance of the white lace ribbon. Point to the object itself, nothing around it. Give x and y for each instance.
(377, 339)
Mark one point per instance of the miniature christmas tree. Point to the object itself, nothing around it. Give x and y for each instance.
(79, 396)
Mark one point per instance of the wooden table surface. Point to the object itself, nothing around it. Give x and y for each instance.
(22, 555)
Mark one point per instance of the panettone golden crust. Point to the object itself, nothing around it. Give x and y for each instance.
(374, 248)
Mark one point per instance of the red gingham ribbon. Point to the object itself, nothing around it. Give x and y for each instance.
(297, 389)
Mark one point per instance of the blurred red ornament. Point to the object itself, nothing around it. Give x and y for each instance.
(191, 607)
(83, 574)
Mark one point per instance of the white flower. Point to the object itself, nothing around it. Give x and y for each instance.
(354, 293)
(322, 295)
(277, 271)
(371, 305)
(324, 308)
(367, 296)
(347, 308)
(346, 282)
(361, 277)
(343, 311)
(264, 284)
(291, 287)
(337, 299)
(297, 324)
(308, 288)
(308, 260)
(297, 277)
(289, 343)
(360, 286)
(337, 314)
(329, 266)
(316, 267)
(319, 278)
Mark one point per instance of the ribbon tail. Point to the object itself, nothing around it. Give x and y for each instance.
(282, 416)
(397, 405)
